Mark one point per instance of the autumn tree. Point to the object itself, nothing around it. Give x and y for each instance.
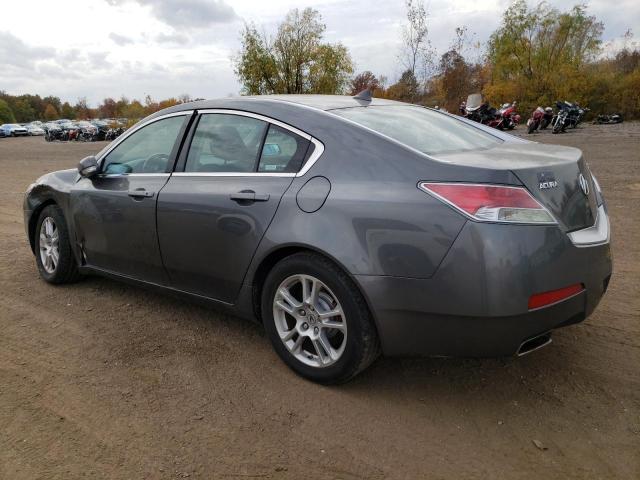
(295, 60)
(365, 80)
(51, 100)
(406, 89)
(82, 108)
(50, 112)
(108, 108)
(456, 77)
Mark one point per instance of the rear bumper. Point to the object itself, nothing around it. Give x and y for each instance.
(477, 302)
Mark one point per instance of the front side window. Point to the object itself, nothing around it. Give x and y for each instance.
(226, 143)
(145, 151)
(425, 130)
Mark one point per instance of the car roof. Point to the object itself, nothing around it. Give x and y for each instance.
(326, 102)
(318, 102)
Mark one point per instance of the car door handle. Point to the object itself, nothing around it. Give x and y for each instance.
(249, 196)
(140, 193)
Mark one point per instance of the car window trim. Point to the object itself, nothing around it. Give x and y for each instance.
(133, 130)
(313, 158)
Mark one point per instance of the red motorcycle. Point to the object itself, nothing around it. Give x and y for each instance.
(536, 119)
(475, 109)
(508, 118)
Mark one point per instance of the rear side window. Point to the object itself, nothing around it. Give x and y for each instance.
(226, 143)
(425, 130)
(283, 151)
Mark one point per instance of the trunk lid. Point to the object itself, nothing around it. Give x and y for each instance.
(552, 173)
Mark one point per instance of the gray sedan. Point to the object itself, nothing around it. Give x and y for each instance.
(348, 226)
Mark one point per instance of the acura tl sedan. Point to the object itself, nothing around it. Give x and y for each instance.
(348, 226)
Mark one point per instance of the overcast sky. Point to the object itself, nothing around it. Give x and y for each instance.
(164, 48)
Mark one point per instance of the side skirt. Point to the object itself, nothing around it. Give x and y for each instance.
(229, 308)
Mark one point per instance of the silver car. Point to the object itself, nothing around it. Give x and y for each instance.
(14, 130)
(35, 129)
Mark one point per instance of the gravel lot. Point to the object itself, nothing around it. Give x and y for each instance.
(104, 380)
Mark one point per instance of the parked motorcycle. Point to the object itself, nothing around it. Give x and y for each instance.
(508, 117)
(535, 120)
(560, 120)
(546, 119)
(608, 119)
(480, 111)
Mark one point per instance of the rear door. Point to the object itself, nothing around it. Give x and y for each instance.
(215, 209)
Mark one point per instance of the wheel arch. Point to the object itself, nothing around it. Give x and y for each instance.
(270, 260)
(33, 220)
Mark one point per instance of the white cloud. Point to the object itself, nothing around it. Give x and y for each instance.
(187, 13)
(120, 39)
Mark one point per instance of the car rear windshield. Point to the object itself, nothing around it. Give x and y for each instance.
(425, 130)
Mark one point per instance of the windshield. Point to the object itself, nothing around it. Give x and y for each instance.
(417, 127)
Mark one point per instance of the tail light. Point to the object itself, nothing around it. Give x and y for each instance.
(490, 203)
(599, 196)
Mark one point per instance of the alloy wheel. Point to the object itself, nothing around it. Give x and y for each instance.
(310, 321)
(49, 251)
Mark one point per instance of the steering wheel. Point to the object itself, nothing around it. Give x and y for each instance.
(156, 163)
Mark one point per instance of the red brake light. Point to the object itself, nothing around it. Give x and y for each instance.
(490, 203)
(547, 298)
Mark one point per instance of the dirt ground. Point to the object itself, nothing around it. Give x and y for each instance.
(103, 380)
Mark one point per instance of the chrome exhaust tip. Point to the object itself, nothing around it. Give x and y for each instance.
(534, 343)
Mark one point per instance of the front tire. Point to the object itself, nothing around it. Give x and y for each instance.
(54, 257)
(317, 320)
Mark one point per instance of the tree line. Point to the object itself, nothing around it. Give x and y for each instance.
(537, 56)
(26, 108)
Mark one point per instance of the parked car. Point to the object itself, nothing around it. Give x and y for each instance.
(347, 226)
(34, 129)
(13, 130)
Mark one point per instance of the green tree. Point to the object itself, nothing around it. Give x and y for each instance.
(135, 110)
(295, 60)
(406, 89)
(67, 111)
(541, 54)
(22, 111)
(6, 115)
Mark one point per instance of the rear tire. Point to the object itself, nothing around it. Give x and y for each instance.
(322, 347)
(531, 128)
(54, 257)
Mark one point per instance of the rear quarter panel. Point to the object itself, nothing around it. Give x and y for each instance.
(375, 220)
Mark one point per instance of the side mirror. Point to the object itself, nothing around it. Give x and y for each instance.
(88, 166)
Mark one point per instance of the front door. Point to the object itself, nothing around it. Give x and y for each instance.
(212, 216)
(114, 212)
